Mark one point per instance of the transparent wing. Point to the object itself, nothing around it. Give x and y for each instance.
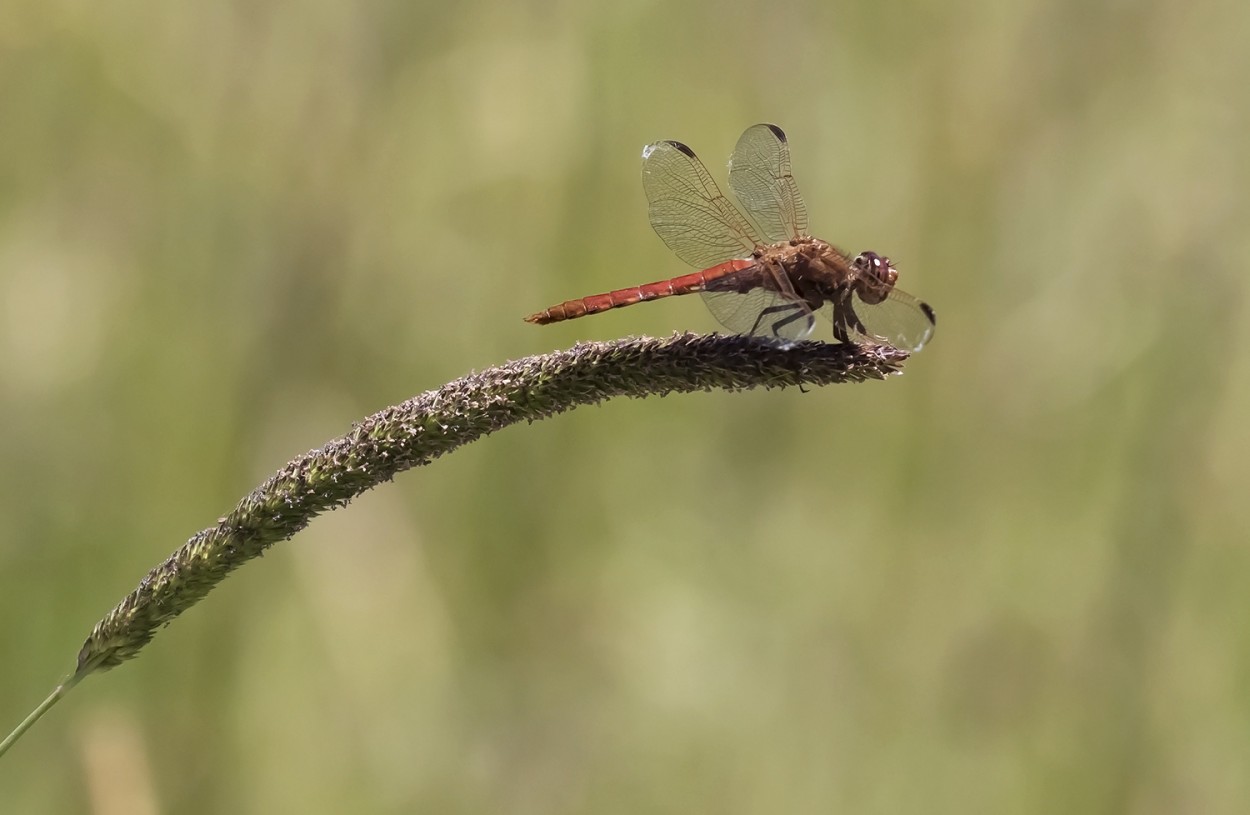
(900, 320)
(687, 209)
(759, 175)
(761, 312)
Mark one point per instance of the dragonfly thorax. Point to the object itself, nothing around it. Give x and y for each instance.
(816, 269)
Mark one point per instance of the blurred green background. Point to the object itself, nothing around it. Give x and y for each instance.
(1011, 580)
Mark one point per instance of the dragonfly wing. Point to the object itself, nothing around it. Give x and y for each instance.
(687, 209)
(759, 175)
(900, 320)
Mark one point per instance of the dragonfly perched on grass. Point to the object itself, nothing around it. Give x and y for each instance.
(764, 275)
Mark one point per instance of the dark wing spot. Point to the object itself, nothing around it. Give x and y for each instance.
(778, 132)
(928, 312)
(680, 147)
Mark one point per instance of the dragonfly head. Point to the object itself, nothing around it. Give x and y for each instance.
(876, 277)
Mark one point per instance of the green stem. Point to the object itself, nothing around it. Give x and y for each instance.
(37, 713)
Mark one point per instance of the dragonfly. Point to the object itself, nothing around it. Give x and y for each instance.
(763, 276)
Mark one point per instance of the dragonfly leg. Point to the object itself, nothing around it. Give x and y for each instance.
(794, 311)
(846, 322)
(856, 324)
(841, 323)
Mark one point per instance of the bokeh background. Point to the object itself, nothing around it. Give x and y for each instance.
(1011, 580)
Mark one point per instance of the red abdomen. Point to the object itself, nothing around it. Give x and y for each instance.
(595, 303)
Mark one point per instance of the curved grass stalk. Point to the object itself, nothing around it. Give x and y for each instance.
(425, 427)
